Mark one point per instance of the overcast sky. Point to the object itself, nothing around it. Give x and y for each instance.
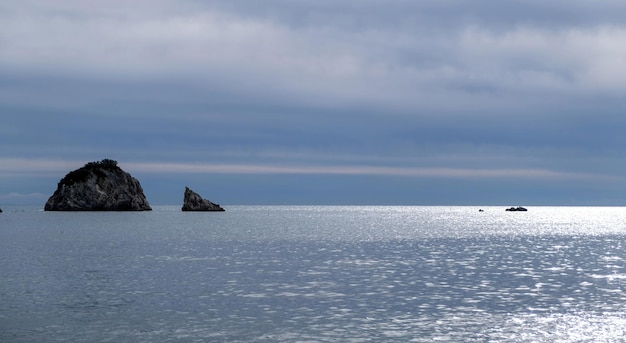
(483, 102)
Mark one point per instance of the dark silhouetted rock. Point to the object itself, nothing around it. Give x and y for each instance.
(516, 209)
(98, 186)
(194, 202)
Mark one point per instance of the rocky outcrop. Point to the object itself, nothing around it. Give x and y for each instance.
(194, 202)
(98, 186)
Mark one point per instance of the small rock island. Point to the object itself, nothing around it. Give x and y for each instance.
(98, 186)
(194, 202)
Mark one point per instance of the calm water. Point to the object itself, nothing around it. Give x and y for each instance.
(314, 274)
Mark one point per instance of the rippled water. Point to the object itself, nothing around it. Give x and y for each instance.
(314, 274)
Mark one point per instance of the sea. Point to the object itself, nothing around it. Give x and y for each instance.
(314, 274)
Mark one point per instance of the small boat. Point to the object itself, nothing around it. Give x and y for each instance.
(515, 209)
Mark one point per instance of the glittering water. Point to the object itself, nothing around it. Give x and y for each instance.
(314, 274)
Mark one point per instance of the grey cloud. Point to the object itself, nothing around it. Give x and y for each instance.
(421, 85)
(399, 54)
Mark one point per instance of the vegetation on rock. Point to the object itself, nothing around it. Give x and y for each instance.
(81, 174)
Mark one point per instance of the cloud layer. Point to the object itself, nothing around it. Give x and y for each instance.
(478, 89)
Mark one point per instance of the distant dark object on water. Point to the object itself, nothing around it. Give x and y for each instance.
(0, 210)
(98, 186)
(194, 202)
(515, 209)
(481, 210)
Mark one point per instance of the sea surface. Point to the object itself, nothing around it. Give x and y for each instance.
(314, 274)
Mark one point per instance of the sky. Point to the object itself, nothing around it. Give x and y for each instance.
(482, 102)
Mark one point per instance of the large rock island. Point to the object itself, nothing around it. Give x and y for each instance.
(194, 202)
(98, 186)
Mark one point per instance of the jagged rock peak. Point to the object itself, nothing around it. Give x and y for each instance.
(98, 186)
(194, 202)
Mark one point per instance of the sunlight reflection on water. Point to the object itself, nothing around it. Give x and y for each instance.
(312, 273)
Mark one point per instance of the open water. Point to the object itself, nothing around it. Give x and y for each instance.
(314, 274)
